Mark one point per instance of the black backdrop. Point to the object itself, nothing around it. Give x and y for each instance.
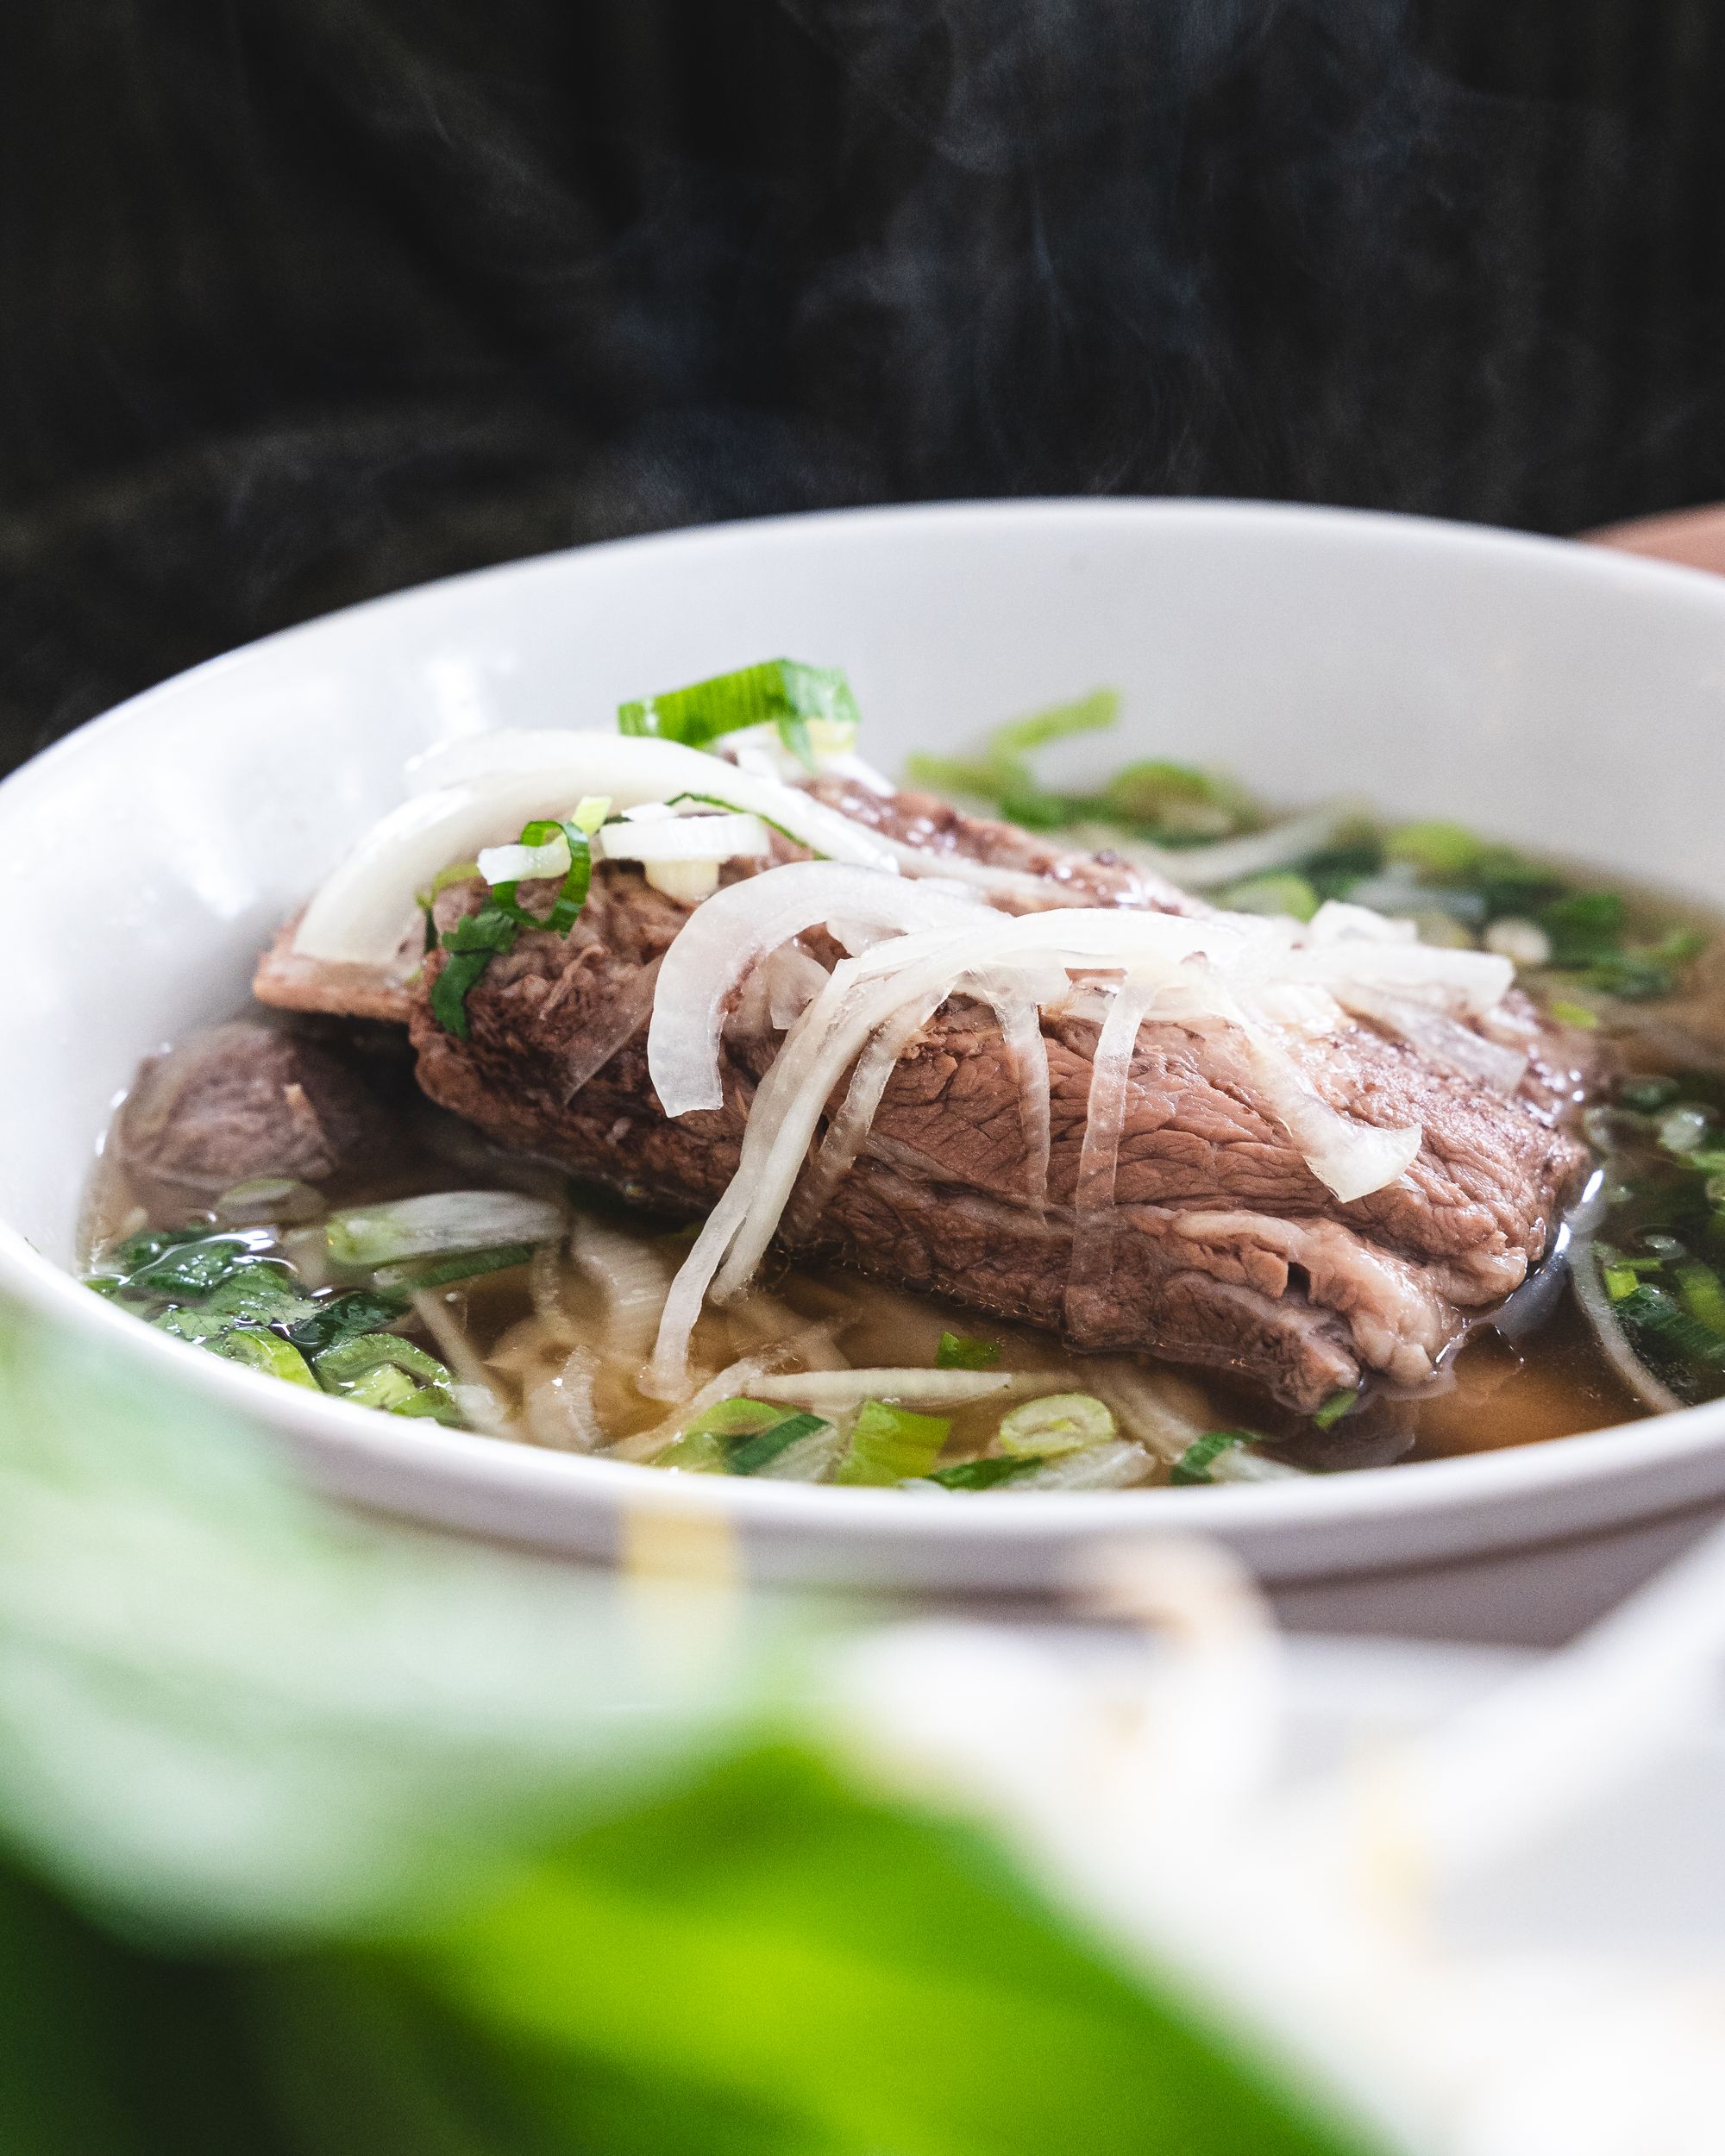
(303, 299)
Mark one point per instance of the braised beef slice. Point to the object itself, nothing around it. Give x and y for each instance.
(243, 1101)
(1222, 1249)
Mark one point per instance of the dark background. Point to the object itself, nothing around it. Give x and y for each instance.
(304, 299)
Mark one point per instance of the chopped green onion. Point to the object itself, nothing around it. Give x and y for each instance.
(761, 1451)
(1093, 714)
(1570, 1014)
(1337, 1405)
(735, 1419)
(1651, 1311)
(443, 1271)
(474, 942)
(1682, 1129)
(986, 1474)
(1584, 926)
(780, 692)
(479, 937)
(1621, 1280)
(1060, 1422)
(1702, 1296)
(710, 1445)
(892, 1444)
(959, 1351)
(1283, 893)
(441, 1224)
(268, 1352)
(1174, 803)
(696, 1452)
(1194, 1463)
(350, 1369)
(1445, 852)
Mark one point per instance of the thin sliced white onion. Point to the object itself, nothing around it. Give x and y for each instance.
(1470, 981)
(787, 1107)
(1099, 1158)
(709, 838)
(736, 1381)
(595, 1046)
(847, 1129)
(1231, 859)
(1350, 1158)
(850, 1389)
(1017, 1005)
(1340, 921)
(363, 910)
(1021, 884)
(846, 764)
(732, 932)
(893, 987)
(795, 978)
(1442, 1040)
(1114, 1465)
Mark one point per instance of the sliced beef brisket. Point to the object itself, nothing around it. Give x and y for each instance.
(1222, 1248)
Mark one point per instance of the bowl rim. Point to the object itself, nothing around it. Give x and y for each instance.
(333, 1428)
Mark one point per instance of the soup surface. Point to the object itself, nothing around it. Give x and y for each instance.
(439, 1276)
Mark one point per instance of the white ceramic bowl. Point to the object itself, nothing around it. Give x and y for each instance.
(1546, 693)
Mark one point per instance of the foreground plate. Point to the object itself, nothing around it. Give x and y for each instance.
(1547, 694)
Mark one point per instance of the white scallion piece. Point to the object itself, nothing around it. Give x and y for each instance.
(519, 864)
(441, 1225)
(702, 838)
(1058, 1422)
(1114, 1465)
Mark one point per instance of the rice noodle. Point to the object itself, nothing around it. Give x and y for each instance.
(361, 912)
(632, 1280)
(736, 1381)
(545, 1284)
(841, 1388)
(1162, 1413)
(558, 1407)
(478, 1398)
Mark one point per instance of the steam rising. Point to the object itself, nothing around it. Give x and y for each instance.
(363, 296)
